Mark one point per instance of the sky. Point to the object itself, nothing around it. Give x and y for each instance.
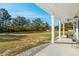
(28, 10)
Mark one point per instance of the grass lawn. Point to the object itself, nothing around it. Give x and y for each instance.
(22, 43)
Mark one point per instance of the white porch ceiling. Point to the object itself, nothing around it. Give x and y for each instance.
(62, 10)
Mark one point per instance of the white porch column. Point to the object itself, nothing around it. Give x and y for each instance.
(59, 29)
(73, 26)
(63, 29)
(52, 19)
(77, 30)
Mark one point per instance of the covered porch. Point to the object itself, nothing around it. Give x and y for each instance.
(67, 35)
(63, 12)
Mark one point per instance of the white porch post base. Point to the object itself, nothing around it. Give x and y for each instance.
(52, 19)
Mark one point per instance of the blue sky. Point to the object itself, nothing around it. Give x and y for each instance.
(28, 10)
(56, 22)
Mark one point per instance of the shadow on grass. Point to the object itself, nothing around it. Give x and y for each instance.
(6, 38)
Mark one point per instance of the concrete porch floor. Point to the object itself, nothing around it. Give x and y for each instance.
(56, 49)
(65, 40)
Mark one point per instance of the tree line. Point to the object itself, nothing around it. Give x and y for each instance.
(68, 26)
(9, 24)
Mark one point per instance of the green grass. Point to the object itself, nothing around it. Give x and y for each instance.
(24, 42)
(8, 36)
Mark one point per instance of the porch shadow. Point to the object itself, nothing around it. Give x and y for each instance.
(65, 41)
